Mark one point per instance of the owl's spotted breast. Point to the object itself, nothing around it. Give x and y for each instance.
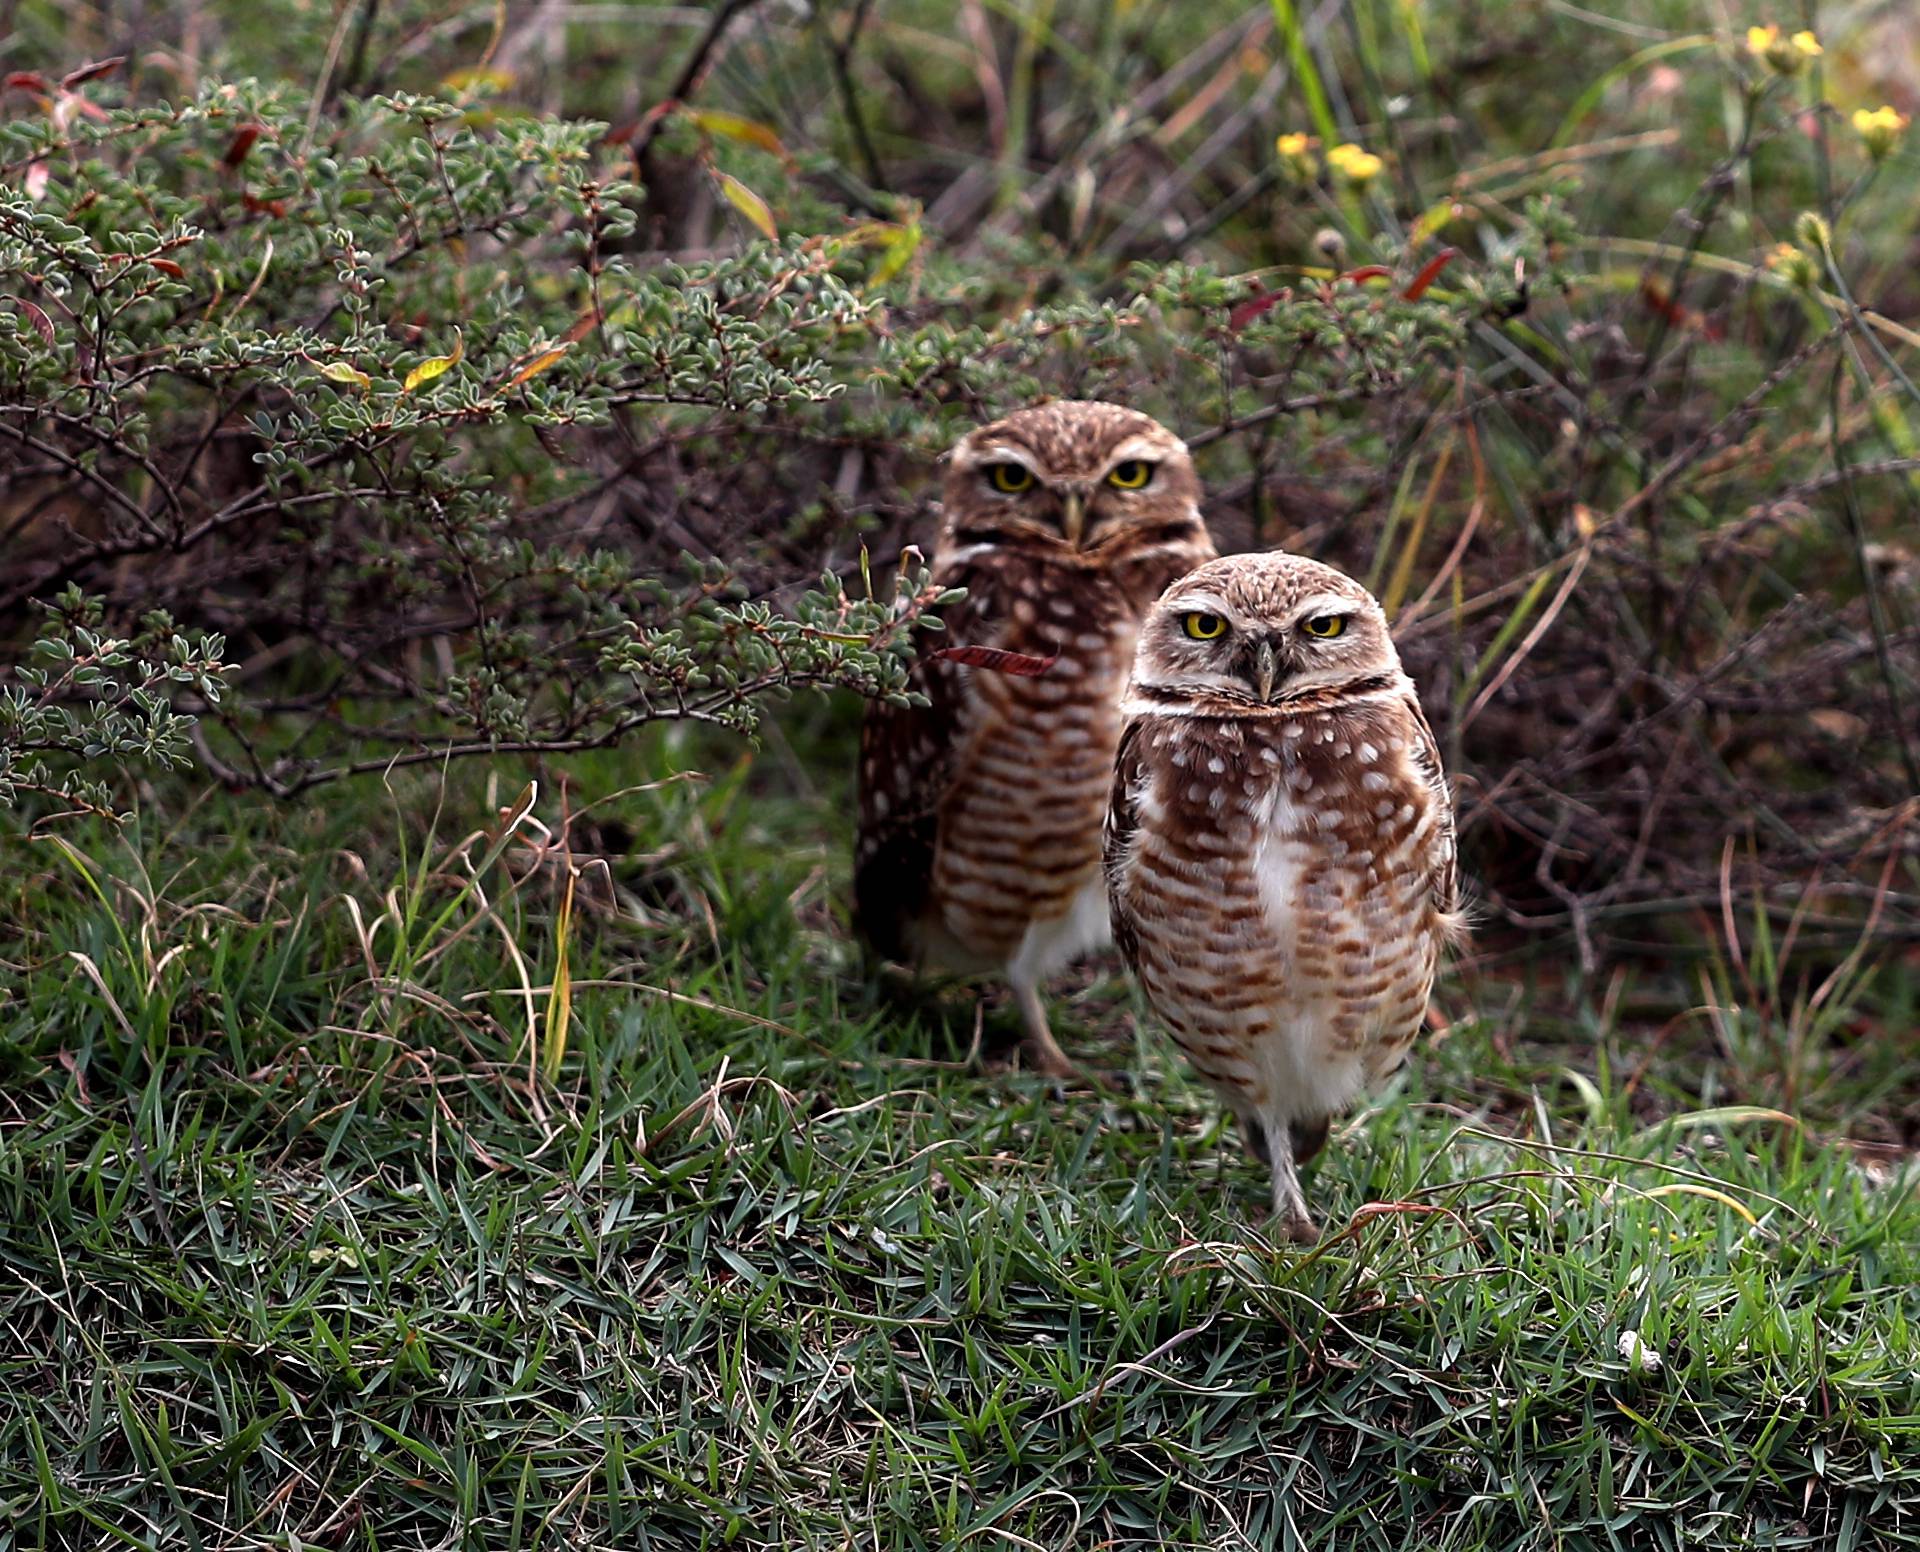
(1283, 877)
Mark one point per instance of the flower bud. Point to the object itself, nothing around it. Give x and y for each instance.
(1879, 130)
(1791, 264)
(1355, 165)
(1781, 54)
(1811, 231)
(1296, 155)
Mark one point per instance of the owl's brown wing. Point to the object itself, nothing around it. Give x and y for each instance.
(1443, 866)
(907, 758)
(910, 757)
(1123, 819)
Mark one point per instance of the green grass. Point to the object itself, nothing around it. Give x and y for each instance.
(300, 1247)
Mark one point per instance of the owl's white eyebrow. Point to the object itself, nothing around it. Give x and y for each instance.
(1200, 603)
(1326, 603)
(1149, 449)
(1001, 452)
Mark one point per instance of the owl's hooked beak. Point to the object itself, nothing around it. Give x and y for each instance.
(1266, 668)
(1073, 521)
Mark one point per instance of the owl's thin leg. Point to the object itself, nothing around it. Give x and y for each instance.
(1043, 1051)
(1309, 1137)
(1290, 1214)
(1255, 1137)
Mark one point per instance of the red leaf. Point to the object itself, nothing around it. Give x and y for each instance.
(264, 207)
(997, 660)
(1253, 307)
(1654, 294)
(1429, 272)
(240, 145)
(1367, 272)
(67, 104)
(93, 71)
(42, 324)
(26, 81)
(168, 267)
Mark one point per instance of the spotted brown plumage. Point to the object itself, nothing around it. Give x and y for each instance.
(980, 812)
(1279, 851)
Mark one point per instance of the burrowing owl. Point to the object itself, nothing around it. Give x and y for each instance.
(1280, 846)
(979, 839)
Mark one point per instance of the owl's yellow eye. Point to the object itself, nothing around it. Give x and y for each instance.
(1133, 474)
(1204, 627)
(1325, 626)
(1009, 478)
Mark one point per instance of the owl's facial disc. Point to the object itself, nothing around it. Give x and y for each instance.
(1075, 482)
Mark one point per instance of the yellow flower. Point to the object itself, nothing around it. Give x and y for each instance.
(1296, 150)
(1811, 231)
(1782, 55)
(1879, 129)
(1791, 264)
(1355, 164)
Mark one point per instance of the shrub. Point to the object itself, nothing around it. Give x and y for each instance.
(91, 703)
(396, 415)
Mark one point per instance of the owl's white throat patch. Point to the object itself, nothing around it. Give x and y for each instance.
(1279, 864)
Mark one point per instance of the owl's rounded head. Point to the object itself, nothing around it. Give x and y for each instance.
(1255, 631)
(1075, 477)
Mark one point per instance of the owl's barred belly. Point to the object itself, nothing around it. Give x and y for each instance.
(1017, 873)
(1280, 1011)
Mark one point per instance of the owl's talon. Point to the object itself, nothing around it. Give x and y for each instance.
(1296, 1228)
(1048, 1059)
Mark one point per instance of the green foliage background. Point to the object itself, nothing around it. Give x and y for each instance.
(471, 422)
